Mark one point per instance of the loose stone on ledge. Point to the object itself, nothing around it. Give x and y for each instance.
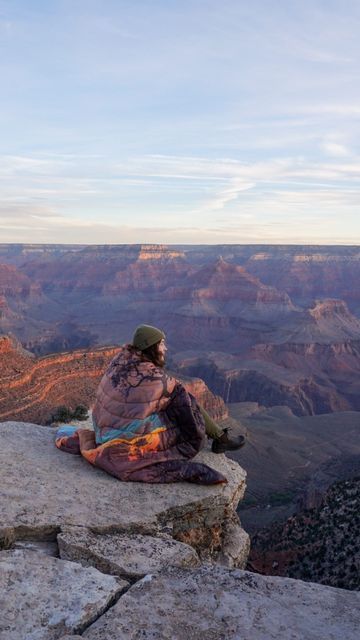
(125, 555)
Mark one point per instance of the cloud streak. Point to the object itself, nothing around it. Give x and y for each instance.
(248, 232)
(195, 186)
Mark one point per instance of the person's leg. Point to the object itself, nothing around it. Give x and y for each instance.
(212, 429)
(221, 440)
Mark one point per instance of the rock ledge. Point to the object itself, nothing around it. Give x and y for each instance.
(46, 491)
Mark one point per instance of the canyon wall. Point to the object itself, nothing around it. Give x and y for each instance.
(264, 305)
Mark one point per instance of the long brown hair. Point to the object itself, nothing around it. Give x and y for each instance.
(152, 353)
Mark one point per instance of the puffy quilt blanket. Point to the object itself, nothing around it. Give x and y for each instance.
(160, 456)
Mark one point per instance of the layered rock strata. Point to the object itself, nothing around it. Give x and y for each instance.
(310, 378)
(307, 272)
(278, 308)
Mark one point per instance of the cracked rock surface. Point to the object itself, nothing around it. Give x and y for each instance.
(213, 603)
(125, 555)
(43, 598)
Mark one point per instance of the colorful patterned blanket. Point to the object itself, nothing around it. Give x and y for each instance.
(159, 456)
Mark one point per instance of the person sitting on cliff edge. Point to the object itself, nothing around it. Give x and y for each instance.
(147, 427)
(111, 414)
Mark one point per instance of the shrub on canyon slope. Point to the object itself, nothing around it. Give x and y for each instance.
(65, 414)
(80, 413)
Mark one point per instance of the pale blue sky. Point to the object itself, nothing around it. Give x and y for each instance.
(180, 121)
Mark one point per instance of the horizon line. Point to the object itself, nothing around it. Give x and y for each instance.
(178, 244)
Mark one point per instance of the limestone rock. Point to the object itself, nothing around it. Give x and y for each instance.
(43, 598)
(45, 490)
(235, 545)
(214, 603)
(125, 555)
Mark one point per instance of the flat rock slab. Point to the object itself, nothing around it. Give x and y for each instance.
(212, 603)
(43, 488)
(43, 598)
(128, 556)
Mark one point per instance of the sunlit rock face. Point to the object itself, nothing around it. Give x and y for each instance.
(32, 388)
(159, 252)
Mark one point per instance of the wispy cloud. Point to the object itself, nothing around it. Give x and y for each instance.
(244, 231)
(226, 195)
(18, 211)
(195, 185)
(334, 109)
(228, 179)
(335, 149)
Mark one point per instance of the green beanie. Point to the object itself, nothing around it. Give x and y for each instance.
(145, 336)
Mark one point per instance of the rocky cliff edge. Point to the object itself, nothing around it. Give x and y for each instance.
(83, 553)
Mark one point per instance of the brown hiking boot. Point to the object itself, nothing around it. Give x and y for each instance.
(224, 443)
